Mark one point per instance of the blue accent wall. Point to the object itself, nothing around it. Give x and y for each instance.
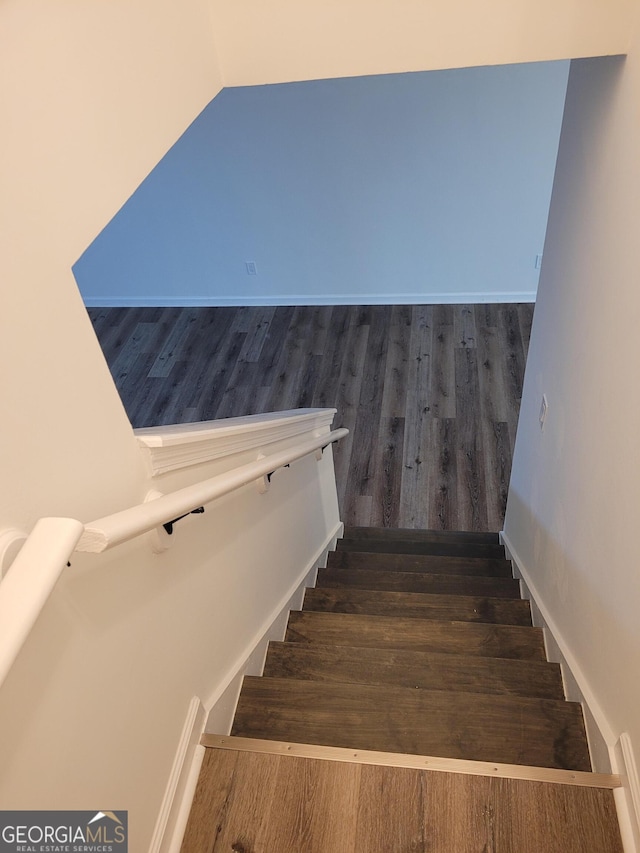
(423, 187)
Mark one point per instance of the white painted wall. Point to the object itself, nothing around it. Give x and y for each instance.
(573, 507)
(92, 710)
(91, 96)
(283, 40)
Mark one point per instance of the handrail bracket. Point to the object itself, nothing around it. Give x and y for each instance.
(168, 525)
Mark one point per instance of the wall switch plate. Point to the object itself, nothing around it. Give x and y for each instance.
(251, 268)
(544, 408)
(538, 261)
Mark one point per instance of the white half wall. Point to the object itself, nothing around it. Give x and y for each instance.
(94, 705)
(91, 96)
(575, 486)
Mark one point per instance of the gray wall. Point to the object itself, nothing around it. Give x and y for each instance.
(424, 187)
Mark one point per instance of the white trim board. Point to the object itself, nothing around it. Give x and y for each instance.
(222, 704)
(569, 659)
(444, 298)
(181, 785)
(168, 448)
(628, 796)
(618, 746)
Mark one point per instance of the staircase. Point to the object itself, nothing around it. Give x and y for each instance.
(419, 643)
(413, 643)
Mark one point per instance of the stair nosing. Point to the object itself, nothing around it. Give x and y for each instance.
(413, 761)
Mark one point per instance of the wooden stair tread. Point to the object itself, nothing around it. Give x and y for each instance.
(398, 534)
(419, 546)
(363, 559)
(420, 582)
(405, 668)
(466, 608)
(513, 730)
(468, 638)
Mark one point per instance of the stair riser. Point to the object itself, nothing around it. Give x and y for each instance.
(501, 641)
(419, 606)
(414, 582)
(468, 566)
(434, 548)
(400, 534)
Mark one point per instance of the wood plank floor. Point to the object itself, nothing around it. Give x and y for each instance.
(250, 802)
(431, 393)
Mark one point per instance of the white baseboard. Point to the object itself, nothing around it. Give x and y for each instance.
(420, 298)
(222, 704)
(176, 803)
(609, 752)
(628, 796)
(630, 770)
(558, 647)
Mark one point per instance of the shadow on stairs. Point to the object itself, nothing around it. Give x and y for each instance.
(409, 708)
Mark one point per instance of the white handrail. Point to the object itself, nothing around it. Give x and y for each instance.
(121, 526)
(28, 583)
(30, 580)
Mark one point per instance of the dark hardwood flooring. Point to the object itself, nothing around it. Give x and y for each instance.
(430, 393)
